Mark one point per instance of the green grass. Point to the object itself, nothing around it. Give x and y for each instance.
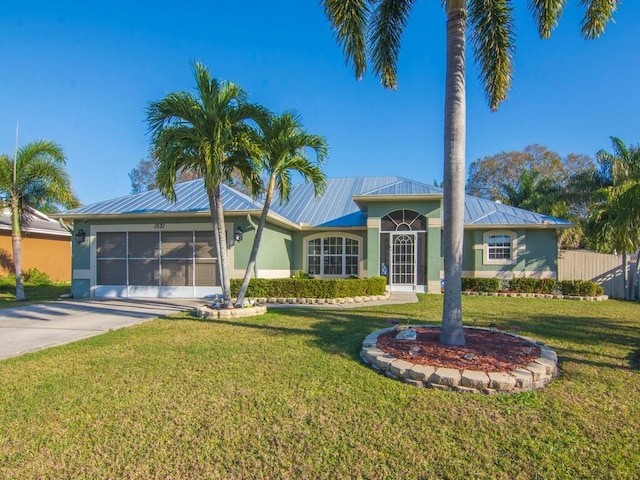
(284, 395)
(34, 294)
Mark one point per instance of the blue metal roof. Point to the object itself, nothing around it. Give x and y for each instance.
(402, 186)
(190, 197)
(336, 208)
(478, 211)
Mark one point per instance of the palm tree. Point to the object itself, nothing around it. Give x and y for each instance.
(615, 214)
(283, 144)
(205, 134)
(375, 27)
(34, 177)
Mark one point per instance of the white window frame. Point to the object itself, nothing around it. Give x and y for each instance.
(500, 261)
(344, 255)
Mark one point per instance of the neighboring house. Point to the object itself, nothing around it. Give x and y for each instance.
(46, 245)
(144, 246)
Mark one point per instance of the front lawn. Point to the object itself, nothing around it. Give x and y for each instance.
(34, 293)
(284, 395)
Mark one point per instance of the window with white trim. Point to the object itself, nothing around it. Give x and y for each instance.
(500, 247)
(333, 256)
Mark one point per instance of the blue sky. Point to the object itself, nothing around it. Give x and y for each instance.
(83, 73)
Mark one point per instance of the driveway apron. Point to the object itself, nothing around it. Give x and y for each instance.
(34, 327)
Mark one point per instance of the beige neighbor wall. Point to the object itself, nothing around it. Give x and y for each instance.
(602, 268)
(50, 254)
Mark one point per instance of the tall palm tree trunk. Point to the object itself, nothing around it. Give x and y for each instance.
(219, 245)
(16, 243)
(256, 240)
(223, 252)
(452, 332)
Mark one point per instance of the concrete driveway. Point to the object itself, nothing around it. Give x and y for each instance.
(35, 327)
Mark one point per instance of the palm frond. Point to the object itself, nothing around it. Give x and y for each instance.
(493, 38)
(285, 146)
(388, 23)
(42, 149)
(598, 14)
(349, 20)
(546, 13)
(6, 173)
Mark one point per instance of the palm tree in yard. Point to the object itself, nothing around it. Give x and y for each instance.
(204, 134)
(284, 146)
(374, 28)
(615, 215)
(35, 176)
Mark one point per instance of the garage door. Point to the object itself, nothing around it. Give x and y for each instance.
(156, 264)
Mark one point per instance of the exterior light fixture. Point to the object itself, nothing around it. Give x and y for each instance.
(80, 236)
(238, 234)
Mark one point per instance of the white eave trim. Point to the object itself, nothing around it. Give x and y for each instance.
(274, 217)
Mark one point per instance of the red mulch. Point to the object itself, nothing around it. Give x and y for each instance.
(485, 350)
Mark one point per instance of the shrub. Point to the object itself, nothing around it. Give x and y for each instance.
(302, 274)
(37, 277)
(532, 285)
(523, 285)
(582, 288)
(7, 283)
(548, 285)
(311, 288)
(473, 284)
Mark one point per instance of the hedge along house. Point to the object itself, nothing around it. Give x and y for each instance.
(144, 246)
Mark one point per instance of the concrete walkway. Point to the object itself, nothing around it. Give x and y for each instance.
(35, 327)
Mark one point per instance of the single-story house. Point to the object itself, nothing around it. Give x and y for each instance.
(144, 246)
(46, 245)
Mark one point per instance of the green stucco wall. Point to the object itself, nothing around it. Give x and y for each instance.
(372, 263)
(80, 253)
(536, 254)
(542, 251)
(275, 250)
(431, 210)
(81, 288)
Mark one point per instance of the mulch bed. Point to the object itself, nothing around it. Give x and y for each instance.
(485, 350)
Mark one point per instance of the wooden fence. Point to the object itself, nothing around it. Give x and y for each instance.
(602, 268)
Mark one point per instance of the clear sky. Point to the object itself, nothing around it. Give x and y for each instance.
(82, 73)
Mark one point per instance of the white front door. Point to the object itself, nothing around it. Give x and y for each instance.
(403, 261)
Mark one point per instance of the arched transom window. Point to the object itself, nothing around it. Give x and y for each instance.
(403, 221)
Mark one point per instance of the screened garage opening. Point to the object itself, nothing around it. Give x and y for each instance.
(156, 264)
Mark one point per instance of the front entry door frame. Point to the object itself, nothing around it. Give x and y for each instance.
(403, 261)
